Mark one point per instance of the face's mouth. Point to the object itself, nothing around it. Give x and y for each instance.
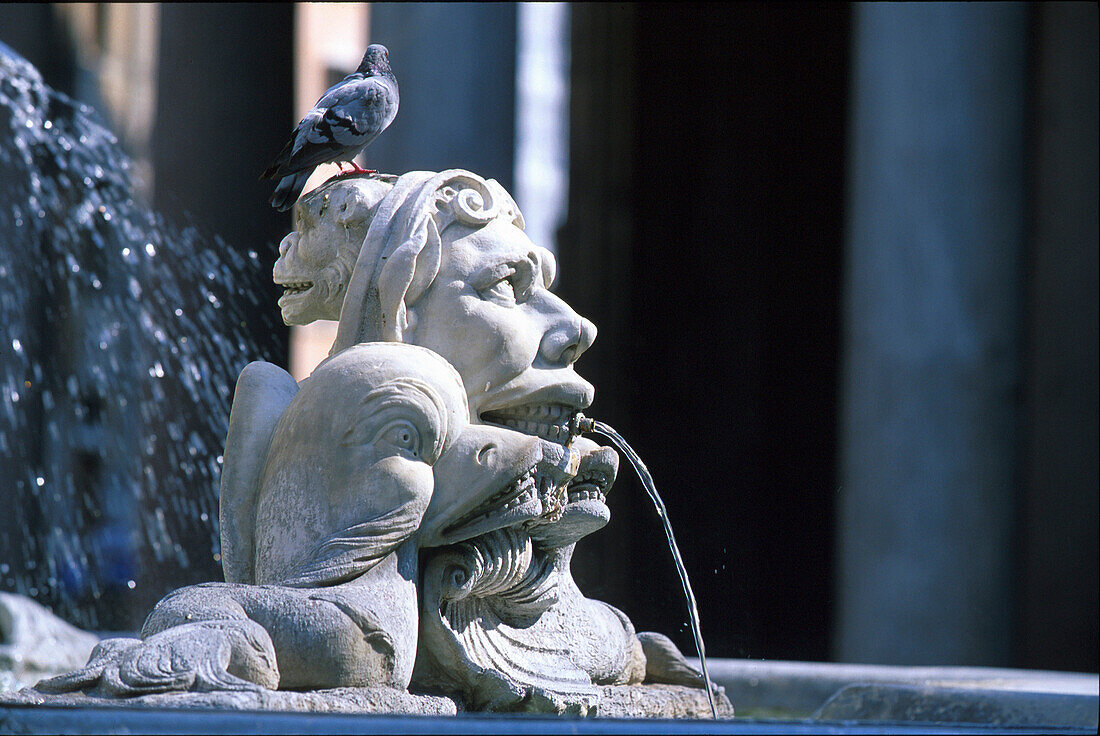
(547, 421)
(295, 287)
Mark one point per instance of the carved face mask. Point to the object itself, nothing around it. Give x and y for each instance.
(490, 312)
(315, 261)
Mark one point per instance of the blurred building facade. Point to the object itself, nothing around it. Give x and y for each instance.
(849, 319)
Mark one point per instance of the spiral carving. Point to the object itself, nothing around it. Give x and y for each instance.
(488, 565)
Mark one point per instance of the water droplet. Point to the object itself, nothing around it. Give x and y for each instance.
(152, 251)
(40, 481)
(16, 345)
(131, 584)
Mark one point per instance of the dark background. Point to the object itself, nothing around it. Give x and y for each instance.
(705, 237)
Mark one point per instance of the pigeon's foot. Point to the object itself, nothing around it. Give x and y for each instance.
(355, 169)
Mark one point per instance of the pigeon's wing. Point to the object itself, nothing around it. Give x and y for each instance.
(341, 124)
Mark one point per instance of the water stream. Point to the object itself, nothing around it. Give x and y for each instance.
(123, 337)
(590, 425)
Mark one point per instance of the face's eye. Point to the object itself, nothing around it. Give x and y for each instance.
(507, 284)
(401, 435)
(502, 292)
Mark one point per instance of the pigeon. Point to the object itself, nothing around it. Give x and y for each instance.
(349, 115)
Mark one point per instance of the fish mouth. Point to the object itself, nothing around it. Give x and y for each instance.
(589, 485)
(521, 501)
(586, 509)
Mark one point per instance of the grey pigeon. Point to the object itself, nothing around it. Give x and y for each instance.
(349, 115)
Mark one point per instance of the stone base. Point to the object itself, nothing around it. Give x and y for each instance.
(337, 700)
(632, 701)
(659, 701)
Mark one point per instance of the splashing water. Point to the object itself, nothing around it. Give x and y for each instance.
(123, 337)
(586, 424)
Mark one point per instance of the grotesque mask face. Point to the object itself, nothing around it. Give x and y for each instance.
(490, 313)
(315, 261)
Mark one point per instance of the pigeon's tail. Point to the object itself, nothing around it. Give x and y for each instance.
(280, 160)
(289, 189)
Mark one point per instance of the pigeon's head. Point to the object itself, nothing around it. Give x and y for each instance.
(376, 62)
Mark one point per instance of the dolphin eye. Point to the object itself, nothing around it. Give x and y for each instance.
(401, 435)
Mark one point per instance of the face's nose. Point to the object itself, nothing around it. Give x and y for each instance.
(568, 336)
(286, 243)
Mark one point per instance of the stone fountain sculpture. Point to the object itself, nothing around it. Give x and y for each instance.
(401, 523)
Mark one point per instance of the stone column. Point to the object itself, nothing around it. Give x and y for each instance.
(456, 66)
(1058, 545)
(931, 364)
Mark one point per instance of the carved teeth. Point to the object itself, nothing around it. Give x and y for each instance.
(548, 421)
(520, 491)
(588, 486)
(521, 499)
(296, 287)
